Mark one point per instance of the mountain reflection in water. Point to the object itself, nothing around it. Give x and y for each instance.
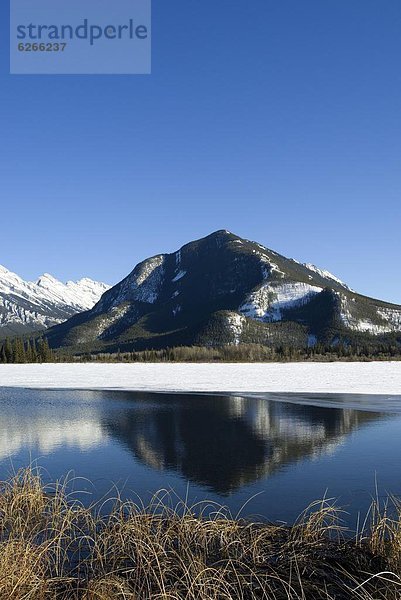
(221, 443)
(227, 442)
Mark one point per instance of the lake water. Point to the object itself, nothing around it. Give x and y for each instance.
(276, 453)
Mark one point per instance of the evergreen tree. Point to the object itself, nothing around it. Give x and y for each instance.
(44, 352)
(34, 351)
(8, 351)
(3, 357)
(29, 352)
(18, 351)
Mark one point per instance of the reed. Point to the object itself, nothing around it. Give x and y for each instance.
(53, 547)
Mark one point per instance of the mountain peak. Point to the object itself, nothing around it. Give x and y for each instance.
(222, 232)
(46, 279)
(84, 281)
(27, 306)
(226, 289)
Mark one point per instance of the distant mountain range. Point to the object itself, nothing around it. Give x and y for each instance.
(225, 289)
(27, 306)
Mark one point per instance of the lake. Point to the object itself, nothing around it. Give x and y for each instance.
(274, 454)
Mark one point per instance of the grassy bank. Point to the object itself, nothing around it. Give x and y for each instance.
(53, 547)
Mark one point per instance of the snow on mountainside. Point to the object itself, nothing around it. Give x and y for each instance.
(226, 289)
(141, 285)
(26, 305)
(325, 274)
(82, 294)
(270, 300)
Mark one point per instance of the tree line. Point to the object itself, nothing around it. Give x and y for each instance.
(18, 350)
(244, 353)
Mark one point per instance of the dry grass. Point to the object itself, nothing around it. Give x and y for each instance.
(52, 547)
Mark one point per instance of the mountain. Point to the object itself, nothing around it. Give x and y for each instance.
(28, 306)
(225, 289)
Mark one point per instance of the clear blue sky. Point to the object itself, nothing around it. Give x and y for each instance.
(278, 120)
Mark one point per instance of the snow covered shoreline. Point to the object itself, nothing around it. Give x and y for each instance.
(378, 378)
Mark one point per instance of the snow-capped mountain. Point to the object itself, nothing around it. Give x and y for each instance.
(31, 305)
(225, 289)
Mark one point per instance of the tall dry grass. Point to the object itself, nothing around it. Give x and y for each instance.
(52, 547)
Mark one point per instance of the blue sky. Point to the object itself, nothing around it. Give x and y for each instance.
(279, 121)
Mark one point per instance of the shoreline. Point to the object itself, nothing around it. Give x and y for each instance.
(378, 403)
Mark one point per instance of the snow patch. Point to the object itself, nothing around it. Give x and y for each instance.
(236, 324)
(392, 316)
(143, 284)
(391, 319)
(179, 276)
(268, 266)
(269, 301)
(325, 274)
